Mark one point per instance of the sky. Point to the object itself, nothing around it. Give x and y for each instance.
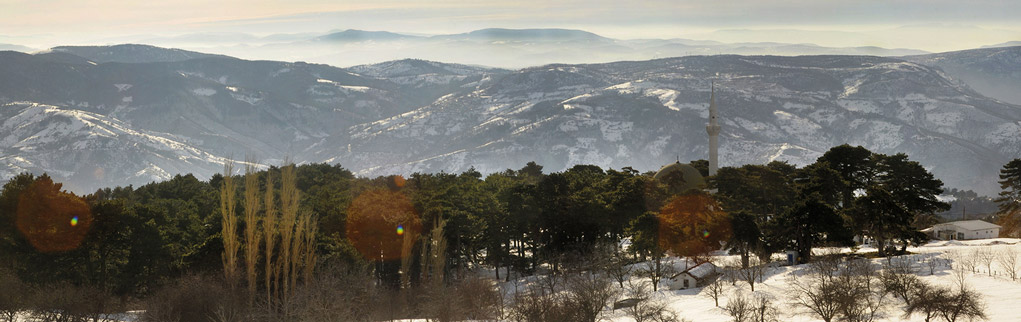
(932, 25)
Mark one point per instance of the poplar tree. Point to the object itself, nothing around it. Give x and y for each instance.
(229, 225)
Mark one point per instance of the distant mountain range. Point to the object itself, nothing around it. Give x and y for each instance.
(506, 48)
(991, 71)
(129, 114)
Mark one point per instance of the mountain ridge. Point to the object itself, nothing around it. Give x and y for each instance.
(404, 116)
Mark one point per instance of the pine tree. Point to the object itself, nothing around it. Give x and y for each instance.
(1010, 199)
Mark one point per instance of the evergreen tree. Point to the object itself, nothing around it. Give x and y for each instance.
(1009, 200)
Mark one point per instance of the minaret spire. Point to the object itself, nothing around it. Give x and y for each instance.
(713, 128)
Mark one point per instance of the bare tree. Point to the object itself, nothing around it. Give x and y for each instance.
(861, 295)
(739, 307)
(818, 294)
(655, 270)
(714, 290)
(928, 301)
(1007, 258)
(985, 257)
(763, 309)
(12, 299)
(729, 270)
(938, 301)
(898, 278)
(647, 308)
(753, 273)
(963, 304)
(588, 294)
(615, 263)
(960, 264)
(850, 292)
(962, 260)
(932, 262)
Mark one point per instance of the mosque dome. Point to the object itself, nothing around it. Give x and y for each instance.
(692, 178)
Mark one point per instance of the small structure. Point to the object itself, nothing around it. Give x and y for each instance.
(964, 230)
(626, 303)
(695, 276)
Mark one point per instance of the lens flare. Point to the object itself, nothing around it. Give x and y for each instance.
(44, 213)
(705, 233)
(373, 218)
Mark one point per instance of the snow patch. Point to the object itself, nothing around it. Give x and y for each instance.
(204, 91)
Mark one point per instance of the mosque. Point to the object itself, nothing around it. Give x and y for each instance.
(691, 176)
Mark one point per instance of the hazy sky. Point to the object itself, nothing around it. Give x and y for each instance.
(932, 25)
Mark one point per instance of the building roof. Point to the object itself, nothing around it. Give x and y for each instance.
(700, 271)
(972, 224)
(692, 178)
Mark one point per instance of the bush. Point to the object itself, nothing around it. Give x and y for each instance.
(471, 298)
(12, 298)
(65, 302)
(194, 298)
(538, 304)
(336, 295)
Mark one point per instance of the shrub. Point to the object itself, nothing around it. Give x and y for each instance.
(12, 298)
(64, 302)
(193, 298)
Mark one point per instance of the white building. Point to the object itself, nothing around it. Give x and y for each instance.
(696, 276)
(964, 230)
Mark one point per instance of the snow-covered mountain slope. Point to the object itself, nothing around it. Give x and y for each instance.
(224, 105)
(86, 150)
(411, 115)
(646, 114)
(994, 72)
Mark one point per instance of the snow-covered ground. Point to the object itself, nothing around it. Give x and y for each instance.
(999, 293)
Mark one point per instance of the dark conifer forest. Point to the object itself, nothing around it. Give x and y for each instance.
(312, 232)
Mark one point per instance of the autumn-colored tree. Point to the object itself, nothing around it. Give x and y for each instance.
(288, 222)
(269, 232)
(252, 236)
(229, 225)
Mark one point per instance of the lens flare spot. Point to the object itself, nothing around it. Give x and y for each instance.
(705, 233)
(43, 215)
(372, 219)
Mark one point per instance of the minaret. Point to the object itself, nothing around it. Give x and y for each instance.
(713, 128)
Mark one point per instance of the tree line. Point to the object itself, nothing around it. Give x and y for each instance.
(434, 227)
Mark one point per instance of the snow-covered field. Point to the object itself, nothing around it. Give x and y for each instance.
(999, 293)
